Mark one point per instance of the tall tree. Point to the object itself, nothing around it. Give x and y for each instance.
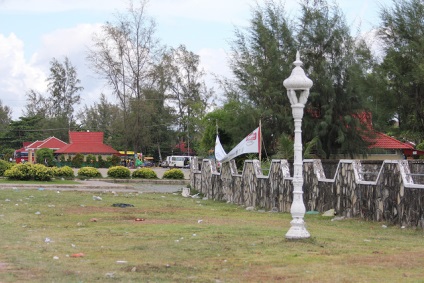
(26, 129)
(104, 117)
(55, 110)
(186, 90)
(260, 61)
(63, 88)
(402, 30)
(124, 54)
(335, 63)
(5, 116)
(262, 58)
(37, 104)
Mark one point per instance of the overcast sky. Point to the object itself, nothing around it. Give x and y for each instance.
(32, 32)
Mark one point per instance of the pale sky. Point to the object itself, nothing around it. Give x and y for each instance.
(32, 32)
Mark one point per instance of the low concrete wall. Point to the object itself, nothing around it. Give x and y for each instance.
(378, 191)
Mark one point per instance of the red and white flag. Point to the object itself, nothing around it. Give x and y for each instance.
(250, 144)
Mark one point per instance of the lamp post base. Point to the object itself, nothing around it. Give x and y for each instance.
(297, 230)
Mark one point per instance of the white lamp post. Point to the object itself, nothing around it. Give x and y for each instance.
(297, 82)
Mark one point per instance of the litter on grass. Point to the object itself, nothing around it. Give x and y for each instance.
(122, 205)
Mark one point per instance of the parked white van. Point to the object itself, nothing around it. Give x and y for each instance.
(177, 161)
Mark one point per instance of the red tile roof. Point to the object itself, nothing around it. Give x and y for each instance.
(87, 143)
(384, 141)
(86, 137)
(51, 142)
(380, 140)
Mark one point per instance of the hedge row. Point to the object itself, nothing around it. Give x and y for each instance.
(39, 172)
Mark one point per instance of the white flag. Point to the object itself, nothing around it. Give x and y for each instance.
(219, 150)
(250, 144)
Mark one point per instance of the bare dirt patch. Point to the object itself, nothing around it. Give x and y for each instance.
(3, 266)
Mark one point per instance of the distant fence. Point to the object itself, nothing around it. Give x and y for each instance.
(390, 191)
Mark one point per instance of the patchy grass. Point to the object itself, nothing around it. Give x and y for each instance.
(168, 238)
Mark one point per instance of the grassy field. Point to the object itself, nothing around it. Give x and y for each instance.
(49, 236)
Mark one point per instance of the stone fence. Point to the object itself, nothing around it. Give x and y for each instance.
(388, 191)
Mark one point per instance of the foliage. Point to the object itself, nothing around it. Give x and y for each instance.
(65, 172)
(5, 116)
(144, 173)
(4, 165)
(22, 130)
(402, 97)
(173, 174)
(335, 110)
(62, 158)
(337, 65)
(235, 120)
(62, 87)
(45, 156)
(15, 173)
(420, 146)
(285, 147)
(56, 107)
(7, 153)
(114, 160)
(90, 159)
(104, 117)
(124, 54)
(28, 171)
(101, 161)
(119, 172)
(88, 172)
(19, 171)
(186, 88)
(40, 172)
(261, 58)
(78, 160)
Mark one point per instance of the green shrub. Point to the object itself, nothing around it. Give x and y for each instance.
(14, 174)
(62, 158)
(65, 172)
(114, 160)
(102, 162)
(78, 160)
(88, 172)
(173, 174)
(40, 172)
(120, 172)
(19, 171)
(90, 159)
(144, 173)
(7, 153)
(4, 165)
(28, 171)
(45, 156)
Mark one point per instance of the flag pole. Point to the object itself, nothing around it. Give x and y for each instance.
(216, 123)
(260, 140)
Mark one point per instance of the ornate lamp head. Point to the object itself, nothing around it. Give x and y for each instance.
(298, 81)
